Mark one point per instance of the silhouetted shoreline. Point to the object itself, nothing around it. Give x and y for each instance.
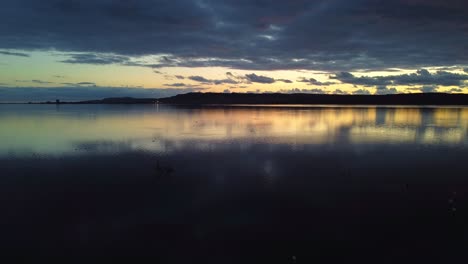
(277, 98)
(398, 99)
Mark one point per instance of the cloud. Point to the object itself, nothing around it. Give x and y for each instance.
(428, 89)
(254, 78)
(180, 77)
(34, 81)
(253, 35)
(18, 54)
(259, 79)
(237, 79)
(40, 94)
(312, 81)
(86, 83)
(346, 77)
(215, 82)
(361, 92)
(224, 81)
(176, 84)
(199, 79)
(382, 90)
(226, 91)
(239, 87)
(97, 59)
(339, 91)
(456, 90)
(79, 84)
(254, 92)
(309, 91)
(420, 77)
(41, 82)
(465, 70)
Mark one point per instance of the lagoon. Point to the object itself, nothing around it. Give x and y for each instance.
(235, 183)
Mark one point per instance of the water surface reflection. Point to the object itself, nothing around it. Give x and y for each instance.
(235, 184)
(55, 130)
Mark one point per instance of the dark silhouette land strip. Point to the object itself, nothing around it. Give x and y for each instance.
(278, 98)
(398, 99)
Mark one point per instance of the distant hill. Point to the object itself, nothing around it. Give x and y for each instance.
(243, 98)
(121, 100)
(277, 98)
(113, 100)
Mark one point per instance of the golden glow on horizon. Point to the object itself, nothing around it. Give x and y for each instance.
(46, 66)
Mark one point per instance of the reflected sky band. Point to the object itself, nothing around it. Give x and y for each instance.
(73, 129)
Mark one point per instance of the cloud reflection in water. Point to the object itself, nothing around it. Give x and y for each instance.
(51, 130)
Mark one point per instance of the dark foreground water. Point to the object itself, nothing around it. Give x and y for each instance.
(235, 184)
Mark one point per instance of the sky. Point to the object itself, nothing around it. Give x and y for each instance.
(90, 49)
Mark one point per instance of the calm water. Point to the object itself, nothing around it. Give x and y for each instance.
(236, 184)
(68, 129)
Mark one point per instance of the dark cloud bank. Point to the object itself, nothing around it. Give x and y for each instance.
(421, 77)
(232, 79)
(264, 35)
(422, 81)
(9, 53)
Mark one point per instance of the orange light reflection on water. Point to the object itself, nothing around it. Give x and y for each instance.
(60, 129)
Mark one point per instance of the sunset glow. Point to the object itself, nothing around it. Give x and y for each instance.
(182, 46)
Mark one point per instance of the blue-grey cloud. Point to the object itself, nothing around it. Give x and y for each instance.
(429, 89)
(224, 81)
(383, 89)
(86, 83)
(41, 82)
(239, 87)
(97, 59)
(204, 80)
(34, 81)
(254, 78)
(309, 91)
(40, 94)
(180, 77)
(259, 78)
(361, 92)
(18, 54)
(317, 35)
(79, 84)
(456, 90)
(421, 77)
(339, 91)
(312, 81)
(199, 79)
(346, 77)
(176, 84)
